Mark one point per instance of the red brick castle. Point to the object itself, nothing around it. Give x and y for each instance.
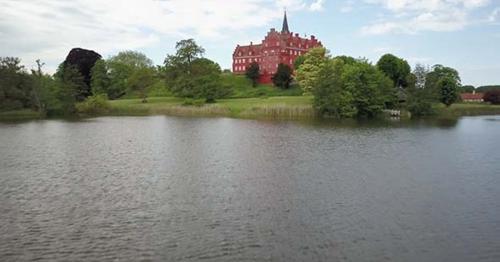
(277, 47)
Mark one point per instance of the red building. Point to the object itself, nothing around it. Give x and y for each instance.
(472, 97)
(277, 47)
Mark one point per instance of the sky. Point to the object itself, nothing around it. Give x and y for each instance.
(463, 34)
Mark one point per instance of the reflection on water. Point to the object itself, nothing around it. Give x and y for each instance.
(188, 189)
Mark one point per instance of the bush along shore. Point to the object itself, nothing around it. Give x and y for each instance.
(290, 107)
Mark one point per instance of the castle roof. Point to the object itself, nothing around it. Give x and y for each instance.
(246, 49)
(284, 29)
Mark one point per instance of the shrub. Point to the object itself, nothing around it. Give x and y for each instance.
(492, 96)
(193, 102)
(93, 105)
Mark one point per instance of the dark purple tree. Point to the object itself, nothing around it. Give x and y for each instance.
(83, 60)
(492, 96)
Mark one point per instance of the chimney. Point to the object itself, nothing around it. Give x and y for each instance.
(251, 43)
(313, 37)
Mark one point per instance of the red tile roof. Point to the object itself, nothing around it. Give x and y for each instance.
(471, 96)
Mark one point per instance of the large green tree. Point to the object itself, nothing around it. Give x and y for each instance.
(99, 78)
(419, 99)
(439, 72)
(307, 73)
(121, 67)
(190, 75)
(351, 88)
(141, 80)
(283, 76)
(69, 85)
(448, 90)
(370, 88)
(253, 73)
(15, 84)
(397, 69)
(444, 82)
(330, 95)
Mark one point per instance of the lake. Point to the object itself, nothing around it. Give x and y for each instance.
(217, 189)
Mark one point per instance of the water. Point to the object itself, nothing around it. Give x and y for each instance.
(187, 189)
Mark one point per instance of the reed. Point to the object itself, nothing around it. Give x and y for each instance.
(280, 111)
(180, 110)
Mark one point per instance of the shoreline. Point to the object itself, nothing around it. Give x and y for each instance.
(280, 107)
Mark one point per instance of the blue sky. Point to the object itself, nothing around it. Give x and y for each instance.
(464, 34)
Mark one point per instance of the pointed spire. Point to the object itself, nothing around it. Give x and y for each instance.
(285, 26)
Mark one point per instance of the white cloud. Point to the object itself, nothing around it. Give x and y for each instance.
(48, 29)
(347, 6)
(494, 16)
(317, 5)
(409, 16)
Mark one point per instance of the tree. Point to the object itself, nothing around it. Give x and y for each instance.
(82, 60)
(188, 50)
(190, 75)
(330, 95)
(38, 87)
(438, 73)
(253, 73)
(467, 89)
(69, 87)
(133, 59)
(370, 88)
(121, 67)
(16, 85)
(99, 81)
(352, 89)
(419, 102)
(420, 75)
(283, 76)
(448, 90)
(492, 96)
(307, 73)
(397, 69)
(298, 61)
(141, 80)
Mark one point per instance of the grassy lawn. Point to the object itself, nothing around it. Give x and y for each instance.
(467, 109)
(24, 114)
(276, 107)
(266, 107)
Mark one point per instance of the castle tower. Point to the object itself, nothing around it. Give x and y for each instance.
(284, 29)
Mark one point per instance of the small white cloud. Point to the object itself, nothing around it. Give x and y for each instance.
(347, 6)
(409, 16)
(317, 5)
(494, 16)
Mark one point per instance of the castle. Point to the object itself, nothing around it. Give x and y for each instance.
(277, 47)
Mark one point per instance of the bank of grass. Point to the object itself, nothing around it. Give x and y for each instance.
(241, 87)
(25, 114)
(467, 109)
(289, 107)
(279, 107)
